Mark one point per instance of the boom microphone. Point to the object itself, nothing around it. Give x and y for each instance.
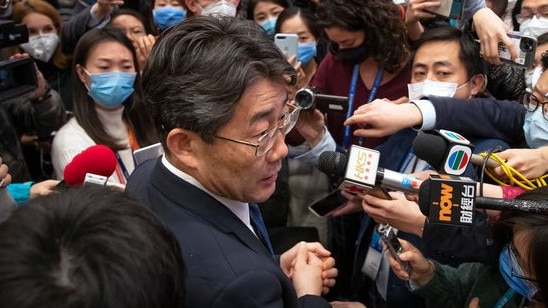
(446, 199)
(443, 156)
(97, 160)
(361, 172)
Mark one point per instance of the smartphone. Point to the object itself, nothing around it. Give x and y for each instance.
(389, 238)
(149, 152)
(526, 47)
(288, 43)
(327, 204)
(451, 9)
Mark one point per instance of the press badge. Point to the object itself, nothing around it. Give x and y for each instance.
(374, 255)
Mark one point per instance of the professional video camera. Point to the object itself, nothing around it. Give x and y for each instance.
(17, 76)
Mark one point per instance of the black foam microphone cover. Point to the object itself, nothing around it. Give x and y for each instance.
(430, 148)
(332, 163)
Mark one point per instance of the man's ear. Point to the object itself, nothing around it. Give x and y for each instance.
(478, 84)
(183, 146)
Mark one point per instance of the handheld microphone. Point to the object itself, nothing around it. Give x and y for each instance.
(434, 149)
(361, 172)
(98, 160)
(447, 151)
(451, 200)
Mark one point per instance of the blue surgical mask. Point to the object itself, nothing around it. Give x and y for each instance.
(535, 129)
(306, 52)
(506, 262)
(168, 16)
(269, 26)
(111, 89)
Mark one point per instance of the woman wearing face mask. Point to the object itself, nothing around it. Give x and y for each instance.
(520, 279)
(265, 13)
(211, 7)
(368, 59)
(44, 45)
(105, 109)
(165, 14)
(311, 47)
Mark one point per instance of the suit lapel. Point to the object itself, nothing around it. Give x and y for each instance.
(200, 203)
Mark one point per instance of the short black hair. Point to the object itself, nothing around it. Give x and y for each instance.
(88, 247)
(198, 71)
(469, 52)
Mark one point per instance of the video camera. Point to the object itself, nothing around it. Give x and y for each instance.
(17, 76)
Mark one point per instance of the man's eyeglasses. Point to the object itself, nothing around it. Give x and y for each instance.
(528, 13)
(266, 141)
(530, 102)
(516, 271)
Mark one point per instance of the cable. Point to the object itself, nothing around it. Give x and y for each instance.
(513, 176)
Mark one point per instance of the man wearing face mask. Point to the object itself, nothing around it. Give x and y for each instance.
(446, 63)
(533, 17)
(211, 7)
(507, 120)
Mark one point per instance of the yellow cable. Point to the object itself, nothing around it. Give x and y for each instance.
(513, 176)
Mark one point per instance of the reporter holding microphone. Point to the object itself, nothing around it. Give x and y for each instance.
(518, 278)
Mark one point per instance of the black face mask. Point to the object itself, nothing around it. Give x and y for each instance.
(353, 55)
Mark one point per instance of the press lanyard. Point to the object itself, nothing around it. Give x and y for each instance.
(125, 173)
(505, 298)
(347, 137)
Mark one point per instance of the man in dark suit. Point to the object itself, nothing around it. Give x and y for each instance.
(216, 88)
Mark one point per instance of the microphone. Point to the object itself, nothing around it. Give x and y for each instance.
(447, 156)
(97, 160)
(360, 172)
(451, 200)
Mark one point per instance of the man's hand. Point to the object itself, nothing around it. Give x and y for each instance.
(311, 126)
(306, 272)
(353, 205)
(43, 188)
(400, 213)
(382, 118)
(5, 177)
(491, 30)
(329, 272)
(531, 163)
(143, 49)
(422, 270)
(103, 8)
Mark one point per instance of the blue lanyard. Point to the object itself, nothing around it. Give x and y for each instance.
(407, 161)
(122, 166)
(347, 137)
(505, 298)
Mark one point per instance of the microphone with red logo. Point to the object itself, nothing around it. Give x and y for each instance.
(360, 172)
(93, 165)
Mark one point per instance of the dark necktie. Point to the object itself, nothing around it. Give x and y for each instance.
(260, 228)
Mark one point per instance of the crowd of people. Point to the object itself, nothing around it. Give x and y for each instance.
(216, 164)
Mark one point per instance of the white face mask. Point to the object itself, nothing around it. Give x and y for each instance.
(532, 76)
(534, 26)
(222, 7)
(432, 88)
(41, 47)
(535, 129)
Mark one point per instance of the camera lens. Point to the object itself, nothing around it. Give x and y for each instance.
(304, 98)
(526, 44)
